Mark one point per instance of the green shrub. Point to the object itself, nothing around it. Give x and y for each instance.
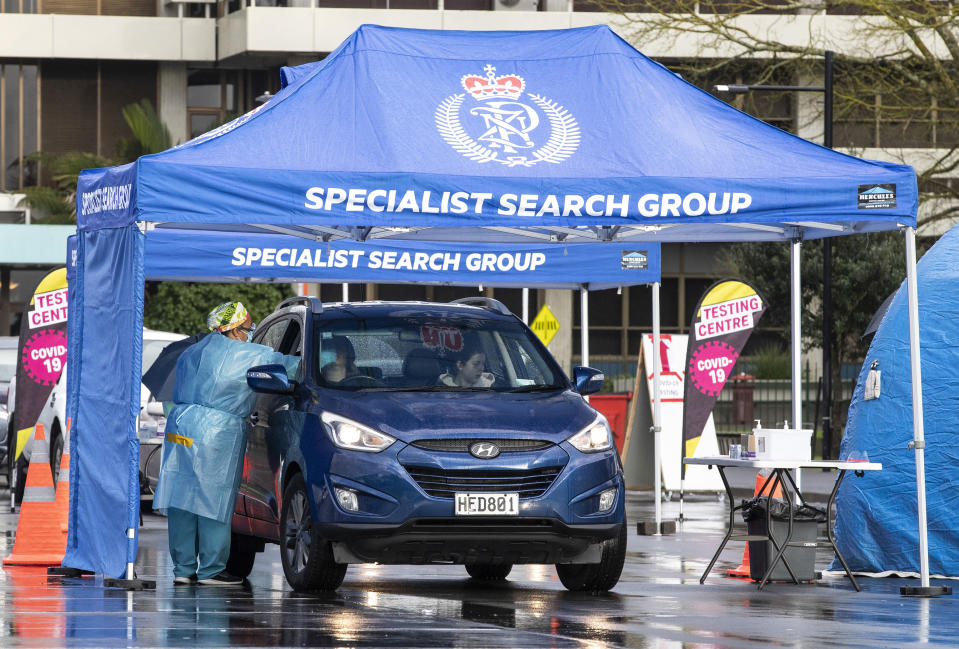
(772, 362)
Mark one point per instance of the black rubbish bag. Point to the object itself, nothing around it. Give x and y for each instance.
(755, 509)
(801, 556)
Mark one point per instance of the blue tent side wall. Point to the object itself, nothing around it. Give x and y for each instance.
(106, 319)
(876, 515)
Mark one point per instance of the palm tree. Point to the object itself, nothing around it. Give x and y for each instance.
(56, 202)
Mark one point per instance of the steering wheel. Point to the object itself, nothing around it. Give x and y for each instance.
(361, 381)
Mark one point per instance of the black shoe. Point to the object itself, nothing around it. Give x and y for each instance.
(185, 580)
(222, 579)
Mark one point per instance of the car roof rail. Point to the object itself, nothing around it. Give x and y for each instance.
(314, 303)
(485, 302)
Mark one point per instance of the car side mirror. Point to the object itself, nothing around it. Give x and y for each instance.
(270, 379)
(587, 380)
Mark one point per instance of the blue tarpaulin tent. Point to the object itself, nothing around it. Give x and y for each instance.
(552, 138)
(871, 531)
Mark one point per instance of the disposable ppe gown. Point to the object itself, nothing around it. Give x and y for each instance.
(206, 434)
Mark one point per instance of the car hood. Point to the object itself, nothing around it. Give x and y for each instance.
(410, 416)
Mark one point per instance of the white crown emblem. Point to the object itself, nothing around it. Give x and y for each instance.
(509, 125)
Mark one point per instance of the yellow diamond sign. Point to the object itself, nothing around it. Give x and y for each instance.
(545, 325)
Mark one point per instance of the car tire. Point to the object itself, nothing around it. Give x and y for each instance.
(596, 577)
(489, 571)
(243, 551)
(56, 454)
(20, 480)
(306, 556)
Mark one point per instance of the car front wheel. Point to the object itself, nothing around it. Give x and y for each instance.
(307, 557)
(597, 577)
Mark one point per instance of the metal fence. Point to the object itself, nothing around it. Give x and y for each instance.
(742, 403)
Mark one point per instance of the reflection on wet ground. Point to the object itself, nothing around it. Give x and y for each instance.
(658, 604)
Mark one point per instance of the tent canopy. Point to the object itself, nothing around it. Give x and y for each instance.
(550, 138)
(548, 131)
(871, 530)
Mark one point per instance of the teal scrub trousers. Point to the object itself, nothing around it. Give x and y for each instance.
(195, 537)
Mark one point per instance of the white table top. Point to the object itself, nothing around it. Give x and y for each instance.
(724, 460)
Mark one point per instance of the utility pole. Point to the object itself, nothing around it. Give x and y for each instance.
(827, 90)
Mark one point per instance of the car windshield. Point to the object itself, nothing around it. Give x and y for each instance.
(432, 354)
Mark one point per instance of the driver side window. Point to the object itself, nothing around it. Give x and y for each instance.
(273, 336)
(291, 345)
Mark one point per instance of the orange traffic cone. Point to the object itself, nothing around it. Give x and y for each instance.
(39, 541)
(63, 483)
(743, 569)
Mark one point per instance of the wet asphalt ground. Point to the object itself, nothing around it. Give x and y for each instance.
(658, 604)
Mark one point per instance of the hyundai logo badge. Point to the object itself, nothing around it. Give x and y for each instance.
(484, 450)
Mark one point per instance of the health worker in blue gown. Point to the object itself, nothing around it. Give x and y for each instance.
(205, 442)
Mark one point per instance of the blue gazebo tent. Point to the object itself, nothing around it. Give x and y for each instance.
(553, 138)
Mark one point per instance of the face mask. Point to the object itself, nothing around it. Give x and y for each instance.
(327, 356)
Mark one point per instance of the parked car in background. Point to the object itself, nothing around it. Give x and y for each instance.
(8, 369)
(150, 422)
(419, 433)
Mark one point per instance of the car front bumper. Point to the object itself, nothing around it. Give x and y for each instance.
(516, 540)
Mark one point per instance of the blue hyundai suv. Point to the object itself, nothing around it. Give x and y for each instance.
(416, 433)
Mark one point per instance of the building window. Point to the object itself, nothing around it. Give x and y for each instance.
(18, 6)
(881, 120)
(211, 99)
(18, 124)
(214, 97)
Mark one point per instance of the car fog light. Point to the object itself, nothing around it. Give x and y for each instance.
(606, 499)
(347, 499)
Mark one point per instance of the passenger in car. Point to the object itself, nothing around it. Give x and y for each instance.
(344, 364)
(469, 371)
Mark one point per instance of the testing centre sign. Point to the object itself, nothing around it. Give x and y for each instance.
(43, 352)
(722, 323)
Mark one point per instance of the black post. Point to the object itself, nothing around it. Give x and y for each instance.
(827, 282)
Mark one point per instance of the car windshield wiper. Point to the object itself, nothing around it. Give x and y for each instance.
(408, 388)
(537, 388)
(425, 388)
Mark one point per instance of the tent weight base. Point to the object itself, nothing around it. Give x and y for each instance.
(130, 584)
(927, 591)
(63, 571)
(648, 528)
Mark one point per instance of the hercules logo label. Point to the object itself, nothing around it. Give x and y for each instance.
(501, 128)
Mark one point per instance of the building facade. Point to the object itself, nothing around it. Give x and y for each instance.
(68, 67)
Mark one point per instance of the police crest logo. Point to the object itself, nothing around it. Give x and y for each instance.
(507, 130)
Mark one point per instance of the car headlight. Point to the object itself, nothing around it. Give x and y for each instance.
(594, 438)
(354, 436)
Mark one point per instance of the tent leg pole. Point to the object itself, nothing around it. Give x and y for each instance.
(346, 292)
(657, 413)
(918, 438)
(795, 295)
(526, 306)
(584, 328)
(130, 581)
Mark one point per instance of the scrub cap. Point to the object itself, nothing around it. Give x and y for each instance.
(229, 315)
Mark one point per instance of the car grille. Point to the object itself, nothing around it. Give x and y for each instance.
(443, 483)
(463, 445)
